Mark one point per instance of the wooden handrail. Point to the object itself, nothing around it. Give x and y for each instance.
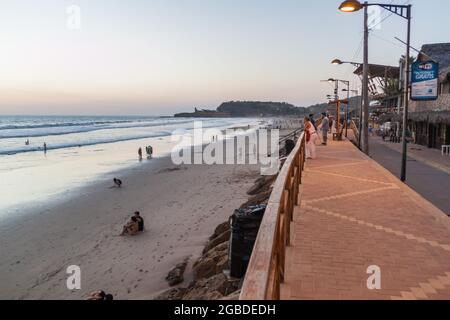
(266, 268)
(355, 129)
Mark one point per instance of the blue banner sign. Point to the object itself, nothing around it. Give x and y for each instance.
(424, 81)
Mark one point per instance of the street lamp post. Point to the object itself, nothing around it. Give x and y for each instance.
(347, 83)
(356, 64)
(348, 103)
(338, 101)
(403, 11)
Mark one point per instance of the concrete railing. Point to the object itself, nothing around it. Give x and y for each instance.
(266, 268)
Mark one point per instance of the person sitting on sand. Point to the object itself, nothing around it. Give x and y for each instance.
(100, 295)
(117, 182)
(140, 221)
(131, 228)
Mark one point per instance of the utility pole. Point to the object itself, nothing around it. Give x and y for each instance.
(406, 97)
(338, 105)
(365, 118)
(346, 110)
(401, 95)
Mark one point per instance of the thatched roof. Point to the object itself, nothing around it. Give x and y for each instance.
(441, 117)
(439, 52)
(444, 75)
(390, 117)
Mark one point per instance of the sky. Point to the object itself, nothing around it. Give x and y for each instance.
(158, 57)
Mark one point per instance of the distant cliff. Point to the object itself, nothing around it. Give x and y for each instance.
(203, 114)
(247, 109)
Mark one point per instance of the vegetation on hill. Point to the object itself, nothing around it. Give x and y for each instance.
(258, 108)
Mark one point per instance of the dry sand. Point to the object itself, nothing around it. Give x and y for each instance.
(181, 207)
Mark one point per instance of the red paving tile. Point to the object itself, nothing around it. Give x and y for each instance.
(354, 214)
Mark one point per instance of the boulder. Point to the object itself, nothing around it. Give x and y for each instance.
(176, 275)
(221, 228)
(172, 294)
(202, 294)
(213, 288)
(212, 263)
(220, 247)
(232, 297)
(260, 198)
(261, 185)
(223, 237)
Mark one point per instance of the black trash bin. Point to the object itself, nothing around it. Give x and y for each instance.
(289, 145)
(244, 230)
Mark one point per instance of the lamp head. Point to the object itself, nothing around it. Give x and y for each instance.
(336, 62)
(331, 80)
(350, 6)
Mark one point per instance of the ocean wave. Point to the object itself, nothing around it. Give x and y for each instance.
(57, 146)
(12, 143)
(58, 125)
(63, 130)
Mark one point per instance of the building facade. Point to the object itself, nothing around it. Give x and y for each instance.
(430, 120)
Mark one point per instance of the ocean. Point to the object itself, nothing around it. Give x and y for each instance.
(80, 150)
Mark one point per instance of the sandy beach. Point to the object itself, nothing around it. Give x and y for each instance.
(181, 206)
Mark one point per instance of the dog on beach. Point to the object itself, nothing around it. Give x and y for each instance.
(117, 182)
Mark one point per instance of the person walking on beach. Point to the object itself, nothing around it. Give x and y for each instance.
(140, 153)
(149, 151)
(311, 137)
(45, 147)
(325, 127)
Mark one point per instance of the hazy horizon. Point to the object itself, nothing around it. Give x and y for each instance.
(161, 57)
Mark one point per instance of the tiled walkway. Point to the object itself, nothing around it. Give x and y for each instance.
(354, 214)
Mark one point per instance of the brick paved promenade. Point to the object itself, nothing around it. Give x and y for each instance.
(355, 214)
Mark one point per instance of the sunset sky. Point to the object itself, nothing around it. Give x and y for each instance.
(158, 57)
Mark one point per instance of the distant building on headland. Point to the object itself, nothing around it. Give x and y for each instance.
(430, 120)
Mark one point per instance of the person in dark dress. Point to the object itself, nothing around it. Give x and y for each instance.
(313, 121)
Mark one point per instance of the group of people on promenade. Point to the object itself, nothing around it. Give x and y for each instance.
(312, 136)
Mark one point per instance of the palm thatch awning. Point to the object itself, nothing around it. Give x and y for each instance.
(390, 117)
(435, 117)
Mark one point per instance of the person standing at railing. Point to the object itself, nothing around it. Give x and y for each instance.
(313, 122)
(311, 136)
(325, 127)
